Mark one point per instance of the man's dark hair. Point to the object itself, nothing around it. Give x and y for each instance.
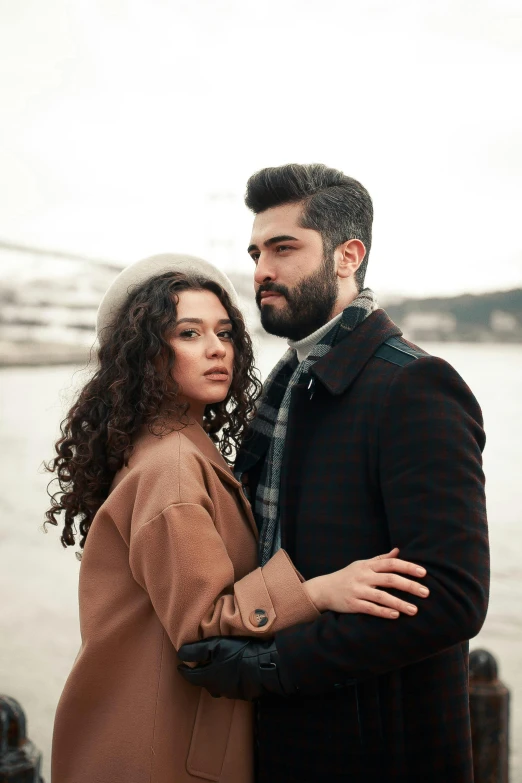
(337, 206)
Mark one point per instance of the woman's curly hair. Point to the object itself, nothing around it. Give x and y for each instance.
(133, 387)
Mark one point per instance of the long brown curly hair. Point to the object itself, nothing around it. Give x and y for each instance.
(132, 387)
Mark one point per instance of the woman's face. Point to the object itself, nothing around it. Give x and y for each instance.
(204, 351)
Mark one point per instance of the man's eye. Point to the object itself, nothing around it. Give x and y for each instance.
(284, 247)
(254, 257)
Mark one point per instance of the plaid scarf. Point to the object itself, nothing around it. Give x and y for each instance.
(267, 432)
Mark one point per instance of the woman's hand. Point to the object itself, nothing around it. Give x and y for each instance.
(354, 589)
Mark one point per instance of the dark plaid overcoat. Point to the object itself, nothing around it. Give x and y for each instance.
(380, 453)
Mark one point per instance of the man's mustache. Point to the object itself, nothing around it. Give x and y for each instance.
(277, 289)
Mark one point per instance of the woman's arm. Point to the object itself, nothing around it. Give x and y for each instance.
(181, 561)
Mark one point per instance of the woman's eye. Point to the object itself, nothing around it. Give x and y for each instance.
(188, 333)
(226, 334)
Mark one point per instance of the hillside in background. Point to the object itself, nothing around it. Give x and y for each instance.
(48, 304)
(490, 317)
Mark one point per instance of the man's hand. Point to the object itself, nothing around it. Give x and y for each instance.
(357, 588)
(237, 667)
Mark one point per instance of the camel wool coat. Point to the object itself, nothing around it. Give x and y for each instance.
(171, 557)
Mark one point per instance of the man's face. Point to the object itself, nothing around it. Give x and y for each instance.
(296, 285)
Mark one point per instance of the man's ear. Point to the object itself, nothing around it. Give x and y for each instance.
(349, 257)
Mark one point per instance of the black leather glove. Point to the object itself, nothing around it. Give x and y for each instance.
(238, 667)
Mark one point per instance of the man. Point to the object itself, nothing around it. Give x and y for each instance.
(362, 442)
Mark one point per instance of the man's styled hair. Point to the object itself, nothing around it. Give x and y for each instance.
(337, 206)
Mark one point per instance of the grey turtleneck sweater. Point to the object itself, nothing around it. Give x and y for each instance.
(304, 346)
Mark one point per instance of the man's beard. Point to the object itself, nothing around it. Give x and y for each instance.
(308, 306)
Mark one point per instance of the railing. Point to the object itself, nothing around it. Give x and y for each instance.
(489, 708)
(20, 760)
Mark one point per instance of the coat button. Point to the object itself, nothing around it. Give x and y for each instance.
(259, 618)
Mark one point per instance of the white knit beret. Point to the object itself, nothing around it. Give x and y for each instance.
(138, 273)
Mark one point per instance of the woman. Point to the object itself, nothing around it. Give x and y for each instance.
(168, 538)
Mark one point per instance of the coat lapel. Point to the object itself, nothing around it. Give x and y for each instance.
(197, 435)
(343, 363)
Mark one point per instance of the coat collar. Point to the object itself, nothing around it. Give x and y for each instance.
(343, 363)
(199, 438)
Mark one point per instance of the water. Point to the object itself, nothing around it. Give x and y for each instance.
(38, 579)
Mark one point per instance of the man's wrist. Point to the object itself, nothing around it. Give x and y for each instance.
(287, 685)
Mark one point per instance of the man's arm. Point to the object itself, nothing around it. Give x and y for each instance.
(432, 485)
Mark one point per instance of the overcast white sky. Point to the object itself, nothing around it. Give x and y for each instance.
(120, 120)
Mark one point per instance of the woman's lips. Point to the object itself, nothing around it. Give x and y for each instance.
(217, 374)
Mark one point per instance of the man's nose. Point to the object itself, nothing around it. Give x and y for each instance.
(264, 271)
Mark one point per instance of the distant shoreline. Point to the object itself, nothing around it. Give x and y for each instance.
(35, 355)
(48, 355)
